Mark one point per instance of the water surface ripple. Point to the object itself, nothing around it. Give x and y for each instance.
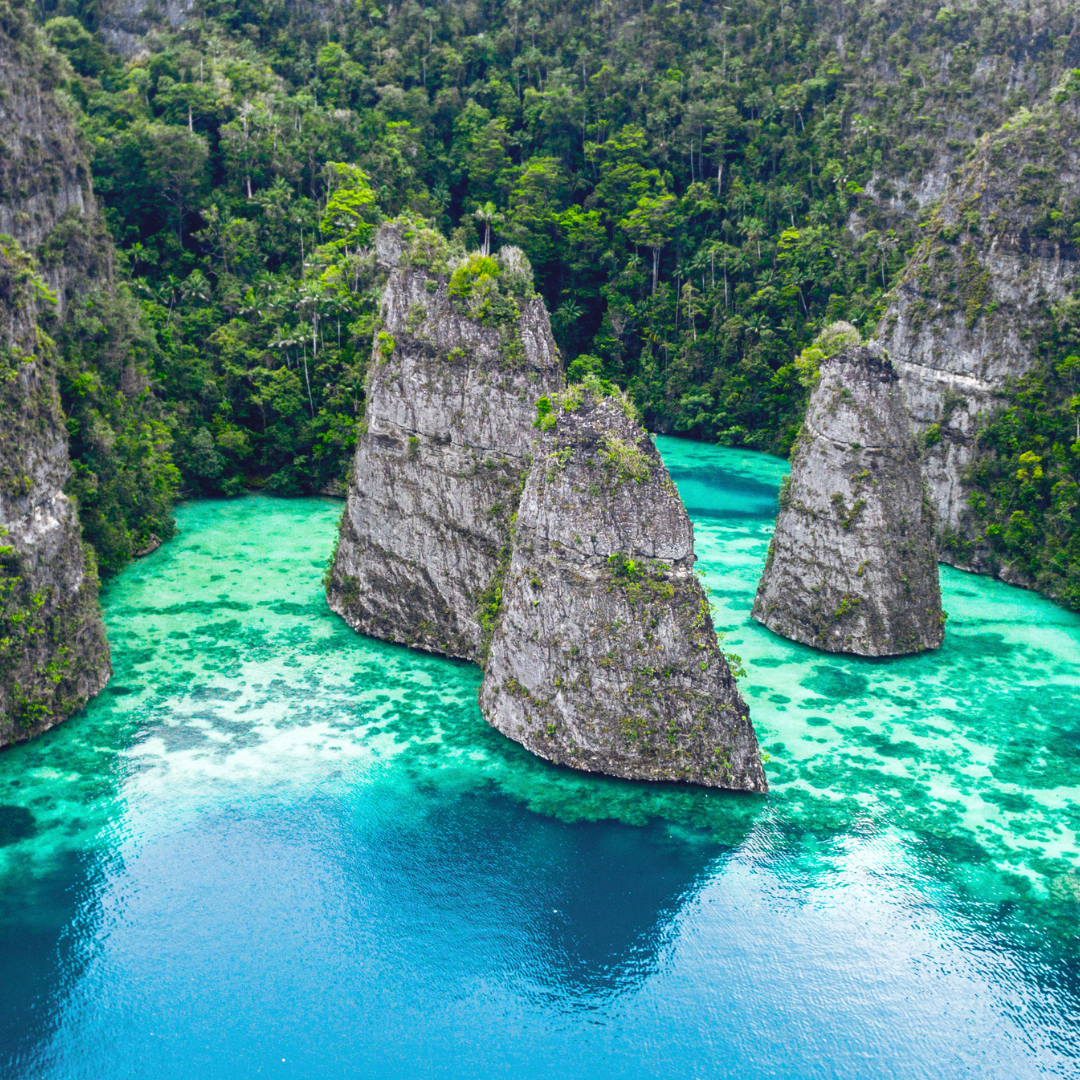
(275, 848)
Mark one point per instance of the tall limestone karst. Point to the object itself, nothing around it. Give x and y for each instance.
(455, 371)
(852, 566)
(597, 574)
(604, 656)
(53, 652)
(976, 299)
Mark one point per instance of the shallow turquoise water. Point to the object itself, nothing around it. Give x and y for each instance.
(273, 847)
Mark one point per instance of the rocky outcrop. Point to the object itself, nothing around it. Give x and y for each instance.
(135, 27)
(46, 200)
(126, 24)
(597, 638)
(604, 656)
(976, 297)
(439, 469)
(852, 566)
(53, 652)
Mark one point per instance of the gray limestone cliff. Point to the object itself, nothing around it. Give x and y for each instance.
(438, 471)
(46, 199)
(53, 651)
(597, 638)
(852, 566)
(975, 299)
(130, 26)
(604, 656)
(137, 27)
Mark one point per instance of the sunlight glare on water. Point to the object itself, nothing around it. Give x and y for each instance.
(272, 847)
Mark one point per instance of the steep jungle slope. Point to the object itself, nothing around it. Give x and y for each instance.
(122, 476)
(68, 330)
(699, 186)
(53, 652)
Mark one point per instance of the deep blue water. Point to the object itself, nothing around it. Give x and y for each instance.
(273, 847)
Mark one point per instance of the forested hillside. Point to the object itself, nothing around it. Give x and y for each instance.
(700, 187)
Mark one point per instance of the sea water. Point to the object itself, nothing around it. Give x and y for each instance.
(275, 848)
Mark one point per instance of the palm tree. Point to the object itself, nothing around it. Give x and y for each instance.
(758, 325)
(566, 314)
(885, 246)
(489, 216)
(790, 197)
(753, 229)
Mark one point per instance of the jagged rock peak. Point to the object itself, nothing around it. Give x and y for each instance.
(604, 656)
(463, 352)
(852, 566)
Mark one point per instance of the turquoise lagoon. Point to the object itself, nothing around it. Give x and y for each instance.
(275, 848)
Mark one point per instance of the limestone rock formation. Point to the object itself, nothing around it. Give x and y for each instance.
(438, 470)
(53, 652)
(46, 200)
(975, 299)
(604, 656)
(852, 566)
(127, 24)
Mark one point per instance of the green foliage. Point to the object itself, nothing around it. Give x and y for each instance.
(124, 475)
(475, 277)
(386, 345)
(834, 338)
(545, 418)
(680, 176)
(623, 568)
(1026, 489)
(475, 289)
(489, 603)
(346, 221)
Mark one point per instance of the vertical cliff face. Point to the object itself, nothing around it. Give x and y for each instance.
(438, 470)
(604, 656)
(852, 566)
(53, 652)
(46, 201)
(975, 300)
(126, 24)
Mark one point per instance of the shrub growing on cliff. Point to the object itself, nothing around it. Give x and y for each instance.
(474, 289)
(627, 460)
(833, 339)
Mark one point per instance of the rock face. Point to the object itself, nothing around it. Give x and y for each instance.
(852, 566)
(125, 24)
(975, 299)
(599, 647)
(604, 656)
(46, 201)
(53, 652)
(438, 472)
